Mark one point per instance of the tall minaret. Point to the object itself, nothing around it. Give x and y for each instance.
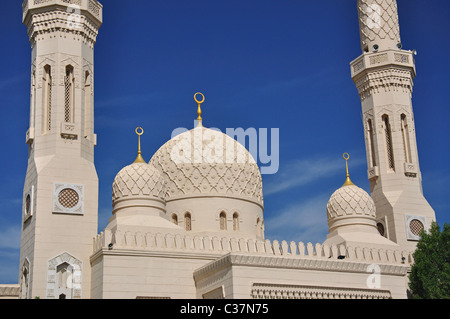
(60, 202)
(384, 76)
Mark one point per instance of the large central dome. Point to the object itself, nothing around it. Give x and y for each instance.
(205, 162)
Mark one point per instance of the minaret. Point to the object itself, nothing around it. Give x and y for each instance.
(384, 76)
(60, 210)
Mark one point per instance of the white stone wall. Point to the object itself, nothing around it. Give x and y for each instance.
(173, 265)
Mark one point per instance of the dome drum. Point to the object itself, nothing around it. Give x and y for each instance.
(355, 223)
(212, 215)
(140, 203)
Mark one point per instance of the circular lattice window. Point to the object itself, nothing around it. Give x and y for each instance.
(416, 227)
(68, 198)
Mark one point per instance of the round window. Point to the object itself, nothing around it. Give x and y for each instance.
(416, 226)
(68, 198)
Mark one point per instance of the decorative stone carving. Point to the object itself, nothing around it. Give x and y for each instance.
(278, 291)
(68, 198)
(378, 21)
(348, 201)
(139, 179)
(389, 79)
(204, 161)
(73, 282)
(72, 22)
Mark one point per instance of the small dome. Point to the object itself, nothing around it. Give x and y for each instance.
(203, 161)
(138, 180)
(350, 200)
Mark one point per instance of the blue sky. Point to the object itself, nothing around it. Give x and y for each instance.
(263, 64)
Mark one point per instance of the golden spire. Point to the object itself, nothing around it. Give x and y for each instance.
(348, 182)
(139, 131)
(199, 110)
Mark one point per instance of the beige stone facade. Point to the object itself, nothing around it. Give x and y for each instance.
(384, 76)
(185, 226)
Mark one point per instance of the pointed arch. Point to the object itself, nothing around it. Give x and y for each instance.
(69, 94)
(64, 277)
(223, 220)
(188, 221)
(47, 99)
(25, 280)
(405, 137)
(258, 226)
(371, 143)
(174, 218)
(88, 109)
(388, 140)
(236, 221)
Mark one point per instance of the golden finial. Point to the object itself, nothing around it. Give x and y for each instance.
(348, 182)
(199, 110)
(139, 131)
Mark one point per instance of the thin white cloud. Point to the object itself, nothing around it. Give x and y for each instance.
(302, 172)
(301, 221)
(10, 237)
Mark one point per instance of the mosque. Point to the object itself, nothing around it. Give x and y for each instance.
(190, 226)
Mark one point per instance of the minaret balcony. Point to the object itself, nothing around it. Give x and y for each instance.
(91, 6)
(382, 59)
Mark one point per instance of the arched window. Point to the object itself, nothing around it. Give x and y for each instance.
(88, 125)
(258, 227)
(64, 280)
(24, 282)
(371, 146)
(389, 146)
(64, 277)
(32, 99)
(223, 221)
(405, 136)
(188, 221)
(175, 219)
(235, 221)
(69, 95)
(47, 99)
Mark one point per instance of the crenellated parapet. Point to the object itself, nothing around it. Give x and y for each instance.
(173, 243)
